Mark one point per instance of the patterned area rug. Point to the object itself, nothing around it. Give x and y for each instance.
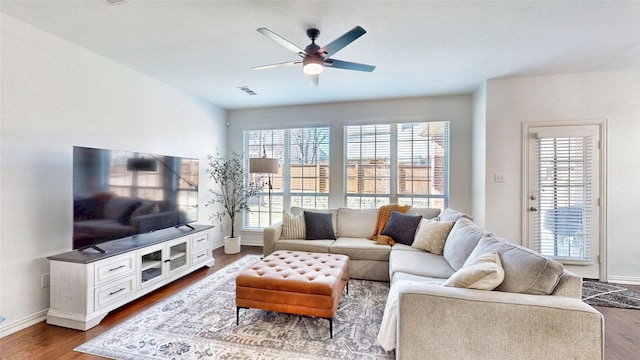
(611, 295)
(200, 323)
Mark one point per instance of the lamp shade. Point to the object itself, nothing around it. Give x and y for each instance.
(263, 165)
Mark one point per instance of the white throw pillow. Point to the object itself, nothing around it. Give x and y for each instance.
(483, 273)
(431, 235)
(293, 226)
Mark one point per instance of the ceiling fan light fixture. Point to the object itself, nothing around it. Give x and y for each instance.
(312, 65)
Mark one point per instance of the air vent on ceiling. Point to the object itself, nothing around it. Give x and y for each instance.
(116, 2)
(247, 90)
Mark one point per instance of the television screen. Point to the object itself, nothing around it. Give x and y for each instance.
(123, 193)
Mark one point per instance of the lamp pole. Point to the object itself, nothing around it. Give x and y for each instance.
(265, 165)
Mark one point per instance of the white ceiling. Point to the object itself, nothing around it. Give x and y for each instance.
(420, 48)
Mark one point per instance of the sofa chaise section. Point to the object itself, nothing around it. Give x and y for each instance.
(454, 323)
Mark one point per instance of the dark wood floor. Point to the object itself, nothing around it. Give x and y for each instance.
(42, 341)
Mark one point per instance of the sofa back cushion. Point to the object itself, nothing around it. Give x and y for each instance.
(356, 223)
(450, 214)
(462, 239)
(426, 213)
(525, 271)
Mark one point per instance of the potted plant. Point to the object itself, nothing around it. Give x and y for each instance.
(233, 193)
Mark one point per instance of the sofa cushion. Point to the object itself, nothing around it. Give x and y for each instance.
(318, 226)
(293, 226)
(525, 271)
(360, 249)
(483, 273)
(319, 246)
(400, 276)
(401, 227)
(462, 239)
(431, 235)
(356, 223)
(420, 263)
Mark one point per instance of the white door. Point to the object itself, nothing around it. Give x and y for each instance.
(563, 197)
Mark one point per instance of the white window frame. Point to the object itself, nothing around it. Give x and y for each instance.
(390, 140)
(283, 194)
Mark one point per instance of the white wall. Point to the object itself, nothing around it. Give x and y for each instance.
(456, 109)
(611, 95)
(56, 95)
(479, 160)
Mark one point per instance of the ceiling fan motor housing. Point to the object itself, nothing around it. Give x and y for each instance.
(313, 34)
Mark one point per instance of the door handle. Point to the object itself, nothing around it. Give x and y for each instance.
(533, 208)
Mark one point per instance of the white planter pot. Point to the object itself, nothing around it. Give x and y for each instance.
(231, 245)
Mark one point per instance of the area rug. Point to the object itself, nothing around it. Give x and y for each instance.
(200, 323)
(610, 295)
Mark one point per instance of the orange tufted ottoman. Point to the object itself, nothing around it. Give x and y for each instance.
(294, 282)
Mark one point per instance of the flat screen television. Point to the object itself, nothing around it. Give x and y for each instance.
(118, 194)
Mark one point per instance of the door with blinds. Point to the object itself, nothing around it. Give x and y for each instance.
(562, 205)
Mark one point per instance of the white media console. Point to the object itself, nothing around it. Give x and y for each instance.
(86, 285)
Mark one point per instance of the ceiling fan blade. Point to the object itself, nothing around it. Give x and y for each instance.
(282, 41)
(348, 65)
(344, 40)
(313, 80)
(265, 67)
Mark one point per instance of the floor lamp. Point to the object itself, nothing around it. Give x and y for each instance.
(264, 165)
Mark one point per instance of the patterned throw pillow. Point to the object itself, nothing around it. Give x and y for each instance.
(293, 226)
(483, 273)
(432, 235)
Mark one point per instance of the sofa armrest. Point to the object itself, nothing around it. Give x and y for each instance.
(453, 323)
(270, 235)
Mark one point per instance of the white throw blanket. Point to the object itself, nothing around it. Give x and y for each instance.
(389, 326)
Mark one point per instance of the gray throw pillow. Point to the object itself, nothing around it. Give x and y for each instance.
(319, 226)
(402, 227)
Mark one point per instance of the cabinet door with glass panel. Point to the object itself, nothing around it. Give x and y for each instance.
(163, 260)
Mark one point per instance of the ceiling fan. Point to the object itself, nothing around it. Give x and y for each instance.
(314, 57)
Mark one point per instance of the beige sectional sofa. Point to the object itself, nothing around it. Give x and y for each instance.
(536, 312)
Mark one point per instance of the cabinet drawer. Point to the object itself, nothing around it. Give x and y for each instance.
(200, 241)
(110, 293)
(114, 268)
(199, 256)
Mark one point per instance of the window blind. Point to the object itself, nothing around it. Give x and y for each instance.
(562, 228)
(406, 163)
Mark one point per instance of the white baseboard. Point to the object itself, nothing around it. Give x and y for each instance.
(8, 329)
(624, 280)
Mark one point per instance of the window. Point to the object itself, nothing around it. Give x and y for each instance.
(303, 171)
(397, 163)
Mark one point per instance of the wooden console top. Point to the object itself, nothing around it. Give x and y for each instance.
(124, 245)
